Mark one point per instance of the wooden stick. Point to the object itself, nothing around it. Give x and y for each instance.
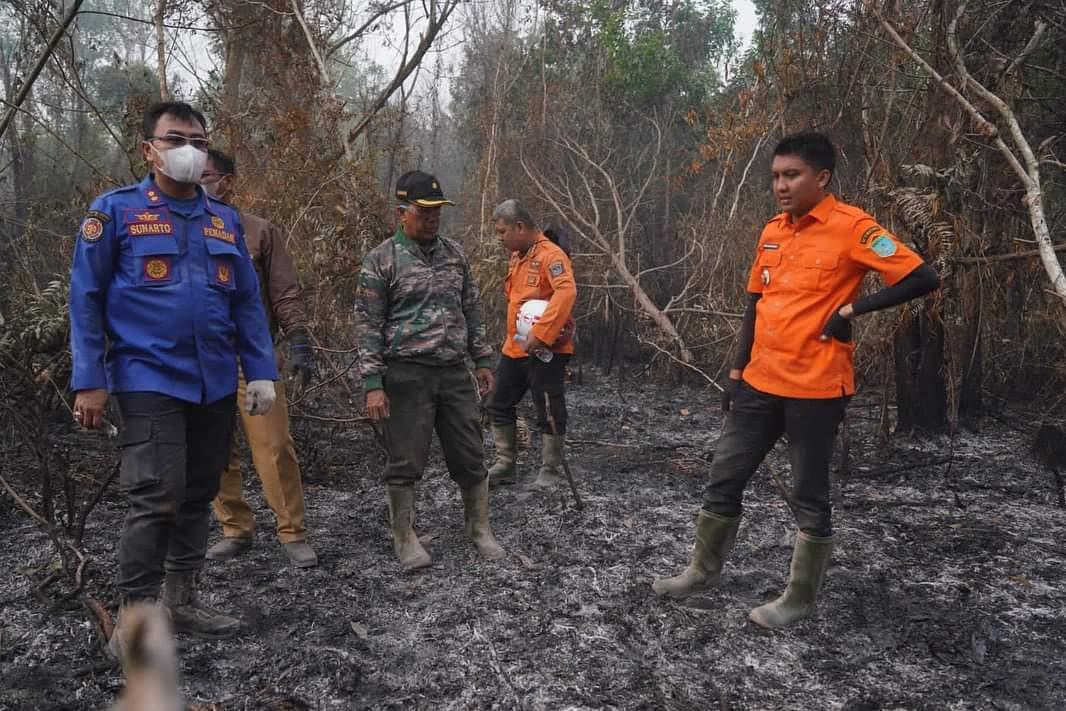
(562, 453)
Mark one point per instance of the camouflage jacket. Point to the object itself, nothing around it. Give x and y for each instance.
(417, 306)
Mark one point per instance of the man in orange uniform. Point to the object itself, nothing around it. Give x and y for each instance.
(539, 269)
(793, 372)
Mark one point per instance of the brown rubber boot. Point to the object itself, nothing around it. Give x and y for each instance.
(551, 462)
(402, 517)
(503, 471)
(715, 535)
(191, 616)
(476, 501)
(810, 559)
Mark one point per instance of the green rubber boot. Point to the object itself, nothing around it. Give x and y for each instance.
(478, 529)
(551, 463)
(402, 521)
(715, 535)
(502, 472)
(810, 559)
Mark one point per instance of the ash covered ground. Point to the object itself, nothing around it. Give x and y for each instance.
(946, 590)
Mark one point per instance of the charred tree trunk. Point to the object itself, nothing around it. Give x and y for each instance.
(971, 352)
(921, 395)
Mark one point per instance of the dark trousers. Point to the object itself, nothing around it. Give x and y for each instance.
(424, 398)
(514, 376)
(173, 454)
(755, 422)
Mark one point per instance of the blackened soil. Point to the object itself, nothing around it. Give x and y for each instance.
(946, 590)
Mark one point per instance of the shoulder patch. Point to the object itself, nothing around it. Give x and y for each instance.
(92, 227)
(556, 269)
(884, 246)
(870, 232)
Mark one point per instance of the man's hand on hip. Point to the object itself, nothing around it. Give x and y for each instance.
(377, 405)
(259, 397)
(839, 325)
(89, 406)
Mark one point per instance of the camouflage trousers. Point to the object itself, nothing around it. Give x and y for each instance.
(428, 398)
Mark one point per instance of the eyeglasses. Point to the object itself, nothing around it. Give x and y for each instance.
(176, 140)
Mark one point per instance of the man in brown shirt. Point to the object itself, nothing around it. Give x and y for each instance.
(268, 436)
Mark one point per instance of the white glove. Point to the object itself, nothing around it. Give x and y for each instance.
(259, 397)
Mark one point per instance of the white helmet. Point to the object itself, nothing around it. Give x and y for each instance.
(529, 314)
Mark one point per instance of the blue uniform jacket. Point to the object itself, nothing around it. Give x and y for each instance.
(160, 302)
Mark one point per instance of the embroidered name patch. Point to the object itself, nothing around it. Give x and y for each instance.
(157, 269)
(143, 223)
(216, 233)
(884, 246)
(771, 246)
(532, 280)
(556, 269)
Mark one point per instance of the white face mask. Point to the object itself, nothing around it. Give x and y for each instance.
(185, 164)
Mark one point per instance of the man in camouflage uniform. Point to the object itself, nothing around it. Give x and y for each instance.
(418, 319)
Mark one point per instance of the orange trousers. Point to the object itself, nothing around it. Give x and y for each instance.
(274, 457)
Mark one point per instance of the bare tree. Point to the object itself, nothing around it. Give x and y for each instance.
(1019, 154)
(601, 196)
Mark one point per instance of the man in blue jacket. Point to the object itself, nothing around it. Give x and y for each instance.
(162, 292)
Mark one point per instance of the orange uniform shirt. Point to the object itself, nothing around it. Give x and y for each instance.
(543, 272)
(805, 271)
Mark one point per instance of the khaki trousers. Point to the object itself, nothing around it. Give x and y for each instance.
(274, 458)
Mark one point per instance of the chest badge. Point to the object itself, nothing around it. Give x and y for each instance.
(224, 275)
(765, 276)
(157, 269)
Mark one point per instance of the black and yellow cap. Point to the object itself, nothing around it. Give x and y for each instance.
(420, 189)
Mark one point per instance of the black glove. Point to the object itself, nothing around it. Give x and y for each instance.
(838, 327)
(729, 392)
(302, 355)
